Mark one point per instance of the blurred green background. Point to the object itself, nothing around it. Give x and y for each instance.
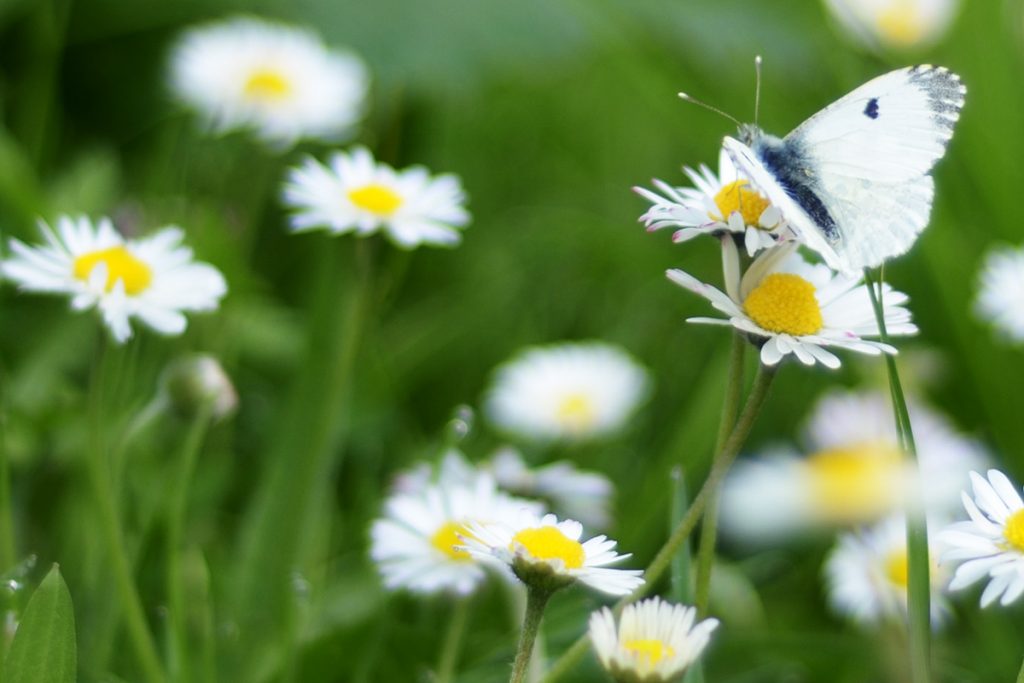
(549, 110)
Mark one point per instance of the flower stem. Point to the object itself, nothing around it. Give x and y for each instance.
(536, 601)
(919, 583)
(8, 549)
(306, 452)
(1020, 674)
(178, 656)
(662, 561)
(453, 641)
(709, 529)
(111, 532)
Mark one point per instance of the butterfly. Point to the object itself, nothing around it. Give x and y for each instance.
(853, 181)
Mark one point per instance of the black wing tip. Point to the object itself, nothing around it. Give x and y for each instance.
(945, 89)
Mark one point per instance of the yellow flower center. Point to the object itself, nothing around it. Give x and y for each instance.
(649, 652)
(857, 482)
(900, 23)
(447, 537)
(896, 567)
(785, 303)
(548, 543)
(121, 265)
(377, 199)
(737, 196)
(267, 84)
(576, 412)
(1014, 530)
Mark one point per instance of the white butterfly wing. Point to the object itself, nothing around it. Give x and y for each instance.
(877, 220)
(853, 179)
(891, 129)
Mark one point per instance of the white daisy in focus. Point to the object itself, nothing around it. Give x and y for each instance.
(354, 193)
(851, 471)
(416, 544)
(544, 552)
(800, 309)
(894, 24)
(867, 575)
(278, 80)
(153, 278)
(653, 642)
(991, 544)
(716, 204)
(574, 493)
(1001, 295)
(571, 391)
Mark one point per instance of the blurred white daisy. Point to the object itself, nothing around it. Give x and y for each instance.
(653, 642)
(716, 204)
(894, 24)
(277, 80)
(566, 391)
(854, 471)
(867, 574)
(991, 544)
(416, 544)
(800, 309)
(578, 494)
(1001, 294)
(151, 278)
(574, 493)
(545, 552)
(354, 193)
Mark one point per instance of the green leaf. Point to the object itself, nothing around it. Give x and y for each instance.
(43, 650)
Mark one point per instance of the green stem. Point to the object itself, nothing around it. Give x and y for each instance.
(709, 528)
(662, 561)
(453, 639)
(305, 453)
(1020, 674)
(919, 583)
(111, 532)
(187, 459)
(679, 578)
(536, 601)
(8, 550)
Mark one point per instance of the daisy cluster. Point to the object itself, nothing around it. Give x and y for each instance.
(442, 526)
(282, 84)
(780, 301)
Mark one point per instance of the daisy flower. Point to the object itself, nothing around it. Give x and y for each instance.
(1001, 297)
(653, 642)
(354, 193)
(991, 544)
(894, 24)
(850, 472)
(867, 574)
(716, 204)
(277, 80)
(569, 391)
(544, 552)
(151, 278)
(793, 307)
(416, 544)
(579, 494)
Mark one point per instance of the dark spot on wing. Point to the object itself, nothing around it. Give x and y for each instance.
(788, 164)
(871, 111)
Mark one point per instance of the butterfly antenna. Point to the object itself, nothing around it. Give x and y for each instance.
(757, 90)
(693, 100)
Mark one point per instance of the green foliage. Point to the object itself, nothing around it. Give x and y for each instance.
(549, 110)
(43, 648)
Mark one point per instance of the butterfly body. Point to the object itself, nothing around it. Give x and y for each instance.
(854, 179)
